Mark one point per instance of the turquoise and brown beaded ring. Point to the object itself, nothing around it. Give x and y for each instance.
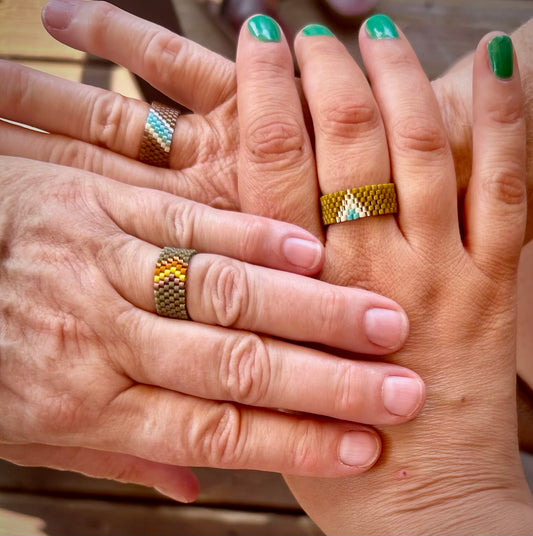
(157, 137)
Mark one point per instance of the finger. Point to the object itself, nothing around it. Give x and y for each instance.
(422, 164)
(350, 140)
(223, 291)
(186, 72)
(276, 164)
(165, 220)
(496, 198)
(175, 429)
(179, 483)
(93, 115)
(241, 367)
(58, 149)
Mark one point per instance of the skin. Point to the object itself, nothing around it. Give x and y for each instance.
(215, 100)
(456, 468)
(114, 388)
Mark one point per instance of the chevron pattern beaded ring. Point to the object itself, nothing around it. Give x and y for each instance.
(169, 282)
(355, 203)
(157, 137)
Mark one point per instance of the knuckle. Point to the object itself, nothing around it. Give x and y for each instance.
(162, 52)
(105, 118)
(74, 153)
(229, 296)
(419, 134)
(305, 451)
(507, 185)
(245, 370)
(347, 117)
(277, 142)
(332, 308)
(101, 21)
(221, 437)
(183, 217)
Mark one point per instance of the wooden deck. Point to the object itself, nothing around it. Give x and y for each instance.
(36, 501)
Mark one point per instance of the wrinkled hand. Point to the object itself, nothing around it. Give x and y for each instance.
(99, 131)
(93, 380)
(456, 468)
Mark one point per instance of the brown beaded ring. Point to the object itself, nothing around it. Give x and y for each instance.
(157, 137)
(169, 282)
(355, 203)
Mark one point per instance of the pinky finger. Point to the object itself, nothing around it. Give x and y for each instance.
(178, 483)
(496, 198)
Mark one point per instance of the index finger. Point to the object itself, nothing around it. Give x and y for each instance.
(184, 71)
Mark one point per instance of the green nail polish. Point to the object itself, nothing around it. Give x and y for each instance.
(381, 27)
(500, 50)
(264, 28)
(317, 29)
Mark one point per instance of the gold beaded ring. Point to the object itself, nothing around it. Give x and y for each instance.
(169, 282)
(355, 203)
(157, 137)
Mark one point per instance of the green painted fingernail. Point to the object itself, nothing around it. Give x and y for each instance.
(317, 29)
(501, 56)
(381, 27)
(264, 28)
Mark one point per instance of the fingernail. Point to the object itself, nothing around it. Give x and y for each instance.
(57, 14)
(500, 50)
(401, 395)
(302, 253)
(317, 29)
(264, 28)
(385, 327)
(381, 27)
(358, 449)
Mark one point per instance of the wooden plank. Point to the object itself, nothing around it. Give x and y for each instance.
(80, 517)
(219, 487)
(22, 33)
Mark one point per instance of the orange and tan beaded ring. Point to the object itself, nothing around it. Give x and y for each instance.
(169, 282)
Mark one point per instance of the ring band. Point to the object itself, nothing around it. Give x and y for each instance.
(169, 282)
(355, 203)
(157, 137)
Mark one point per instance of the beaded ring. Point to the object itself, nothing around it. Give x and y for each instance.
(157, 137)
(355, 203)
(169, 282)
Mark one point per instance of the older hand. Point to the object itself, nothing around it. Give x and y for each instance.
(456, 468)
(93, 380)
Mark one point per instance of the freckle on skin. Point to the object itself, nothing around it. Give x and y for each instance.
(402, 474)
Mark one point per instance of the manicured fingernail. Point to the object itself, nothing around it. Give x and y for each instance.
(57, 14)
(264, 28)
(317, 29)
(358, 449)
(385, 327)
(381, 27)
(402, 396)
(302, 253)
(500, 50)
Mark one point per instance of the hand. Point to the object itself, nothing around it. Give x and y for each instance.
(456, 468)
(94, 381)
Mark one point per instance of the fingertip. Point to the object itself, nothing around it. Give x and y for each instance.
(58, 14)
(304, 253)
(359, 449)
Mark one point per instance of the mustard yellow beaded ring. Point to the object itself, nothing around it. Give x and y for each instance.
(355, 203)
(157, 137)
(169, 282)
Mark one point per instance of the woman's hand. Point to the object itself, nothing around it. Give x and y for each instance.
(93, 380)
(456, 468)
